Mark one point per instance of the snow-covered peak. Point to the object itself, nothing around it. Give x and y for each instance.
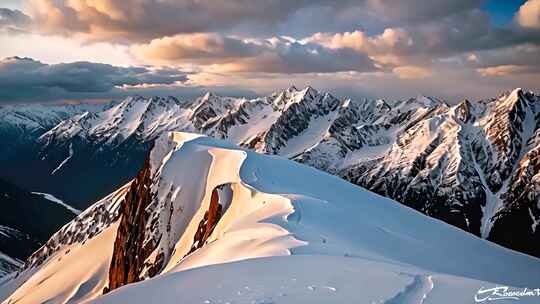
(516, 92)
(428, 101)
(511, 98)
(284, 99)
(39, 117)
(137, 116)
(309, 91)
(209, 95)
(406, 149)
(292, 88)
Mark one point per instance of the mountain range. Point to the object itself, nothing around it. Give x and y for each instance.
(472, 164)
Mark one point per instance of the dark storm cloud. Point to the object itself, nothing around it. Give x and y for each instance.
(27, 79)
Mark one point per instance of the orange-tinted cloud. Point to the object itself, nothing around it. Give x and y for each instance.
(276, 55)
(412, 72)
(529, 14)
(148, 19)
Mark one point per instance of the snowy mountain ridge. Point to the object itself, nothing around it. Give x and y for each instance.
(289, 123)
(202, 209)
(468, 166)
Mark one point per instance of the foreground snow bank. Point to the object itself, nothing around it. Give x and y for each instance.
(300, 279)
(282, 233)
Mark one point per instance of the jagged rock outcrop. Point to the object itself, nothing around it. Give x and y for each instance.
(130, 251)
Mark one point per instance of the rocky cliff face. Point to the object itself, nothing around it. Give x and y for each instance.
(147, 224)
(208, 223)
(130, 251)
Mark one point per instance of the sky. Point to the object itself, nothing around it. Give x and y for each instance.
(56, 50)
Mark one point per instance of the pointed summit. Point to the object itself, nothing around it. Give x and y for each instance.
(208, 95)
(292, 88)
(310, 91)
(463, 110)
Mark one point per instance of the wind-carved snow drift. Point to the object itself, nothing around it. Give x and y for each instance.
(207, 222)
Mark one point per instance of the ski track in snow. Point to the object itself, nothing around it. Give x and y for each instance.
(65, 160)
(414, 293)
(54, 199)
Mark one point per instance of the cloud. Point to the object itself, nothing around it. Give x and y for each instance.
(524, 54)
(383, 48)
(13, 20)
(199, 47)
(276, 55)
(422, 44)
(515, 60)
(143, 20)
(28, 79)
(412, 72)
(228, 42)
(421, 10)
(148, 19)
(528, 15)
(503, 70)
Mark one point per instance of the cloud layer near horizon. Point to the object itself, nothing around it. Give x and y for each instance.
(25, 78)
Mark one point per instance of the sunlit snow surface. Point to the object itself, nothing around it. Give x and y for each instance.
(291, 234)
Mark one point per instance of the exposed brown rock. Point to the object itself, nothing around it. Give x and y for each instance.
(129, 252)
(208, 223)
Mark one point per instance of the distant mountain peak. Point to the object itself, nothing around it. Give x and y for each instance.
(292, 88)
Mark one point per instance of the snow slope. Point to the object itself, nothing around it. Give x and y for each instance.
(223, 224)
(73, 264)
(302, 279)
